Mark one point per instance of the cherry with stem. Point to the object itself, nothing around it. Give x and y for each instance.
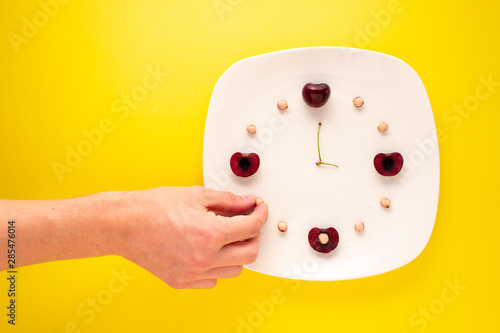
(319, 152)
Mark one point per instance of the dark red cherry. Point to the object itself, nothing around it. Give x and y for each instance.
(244, 165)
(323, 240)
(316, 95)
(388, 164)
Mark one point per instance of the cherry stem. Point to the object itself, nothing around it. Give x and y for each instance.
(319, 152)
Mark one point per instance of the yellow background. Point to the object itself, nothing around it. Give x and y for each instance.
(65, 78)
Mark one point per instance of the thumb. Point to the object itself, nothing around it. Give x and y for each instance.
(228, 202)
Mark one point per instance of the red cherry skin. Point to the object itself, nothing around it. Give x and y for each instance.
(388, 164)
(316, 95)
(244, 165)
(333, 239)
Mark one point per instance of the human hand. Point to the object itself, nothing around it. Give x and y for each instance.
(179, 234)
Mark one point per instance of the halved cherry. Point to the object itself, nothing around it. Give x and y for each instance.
(244, 165)
(388, 164)
(323, 240)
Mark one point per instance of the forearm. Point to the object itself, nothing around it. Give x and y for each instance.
(48, 230)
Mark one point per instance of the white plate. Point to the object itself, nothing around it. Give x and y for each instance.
(305, 195)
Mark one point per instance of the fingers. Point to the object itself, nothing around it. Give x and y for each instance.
(224, 272)
(239, 227)
(239, 253)
(197, 284)
(209, 278)
(242, 227)
(229, 264)
(223, 201)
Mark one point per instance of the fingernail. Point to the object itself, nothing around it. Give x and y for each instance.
(249, 197)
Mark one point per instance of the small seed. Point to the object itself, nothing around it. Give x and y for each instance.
(282, 226)
(258, 201)
(282, 104)
(359, 226)
(382, 127)
(323, 238)
(386, 203)
(358, 102)
(251, 129)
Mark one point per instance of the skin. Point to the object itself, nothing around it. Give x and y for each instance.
(187, 236)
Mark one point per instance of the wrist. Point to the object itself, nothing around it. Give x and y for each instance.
(104, 224)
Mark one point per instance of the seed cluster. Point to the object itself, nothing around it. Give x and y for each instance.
(382, 127)
(282, 104)
(386, 203)
(251, 129)
(359, 226)
(282, 226)
(358, 102)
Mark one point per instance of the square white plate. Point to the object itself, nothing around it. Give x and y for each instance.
(305, 195)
